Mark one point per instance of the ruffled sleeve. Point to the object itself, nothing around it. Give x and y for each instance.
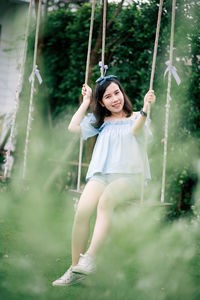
(87, 130)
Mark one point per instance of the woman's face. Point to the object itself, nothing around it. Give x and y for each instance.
(113, 99)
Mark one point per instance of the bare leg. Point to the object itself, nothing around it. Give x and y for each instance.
(114, 194)
(86, 207)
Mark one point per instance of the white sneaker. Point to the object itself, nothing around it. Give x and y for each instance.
(68, 278)
(86, 265)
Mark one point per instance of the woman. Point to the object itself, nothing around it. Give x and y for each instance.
(114, 173)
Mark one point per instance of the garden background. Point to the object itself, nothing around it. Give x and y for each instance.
(151, 253)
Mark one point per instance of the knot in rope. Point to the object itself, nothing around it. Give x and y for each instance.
(37, 73)
(104, 78)
(173, 70)
(105, 67)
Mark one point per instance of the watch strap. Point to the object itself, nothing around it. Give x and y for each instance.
(143, 113)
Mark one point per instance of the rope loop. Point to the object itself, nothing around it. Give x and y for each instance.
(149, 105)
(168, 99)
(35, 71)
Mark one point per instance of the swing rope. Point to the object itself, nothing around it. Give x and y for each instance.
(156, 45)
(168, 103)
(151, 86)
(17, 92)
(32, 78)
(87, 72)
(90, 42)
(103, 38)
(86, 81)
(149, 105)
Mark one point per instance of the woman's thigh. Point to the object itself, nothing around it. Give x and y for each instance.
(117, 192)
(90, 197)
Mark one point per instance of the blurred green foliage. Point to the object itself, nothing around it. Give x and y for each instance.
(144, 257)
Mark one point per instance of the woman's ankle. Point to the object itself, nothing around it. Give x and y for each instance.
(90, 252)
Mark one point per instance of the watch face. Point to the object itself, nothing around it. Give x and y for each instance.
(143, 113)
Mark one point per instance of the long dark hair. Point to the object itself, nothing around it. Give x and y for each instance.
(101, 112)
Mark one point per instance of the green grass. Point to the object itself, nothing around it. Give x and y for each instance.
(143, 258)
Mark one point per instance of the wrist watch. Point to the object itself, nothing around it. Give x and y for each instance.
(143, 113)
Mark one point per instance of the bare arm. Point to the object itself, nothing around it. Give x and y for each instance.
(74, 125)
(138, 125)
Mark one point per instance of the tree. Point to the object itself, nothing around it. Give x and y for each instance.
(129, 48)
(52, 4)
(128, 36)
